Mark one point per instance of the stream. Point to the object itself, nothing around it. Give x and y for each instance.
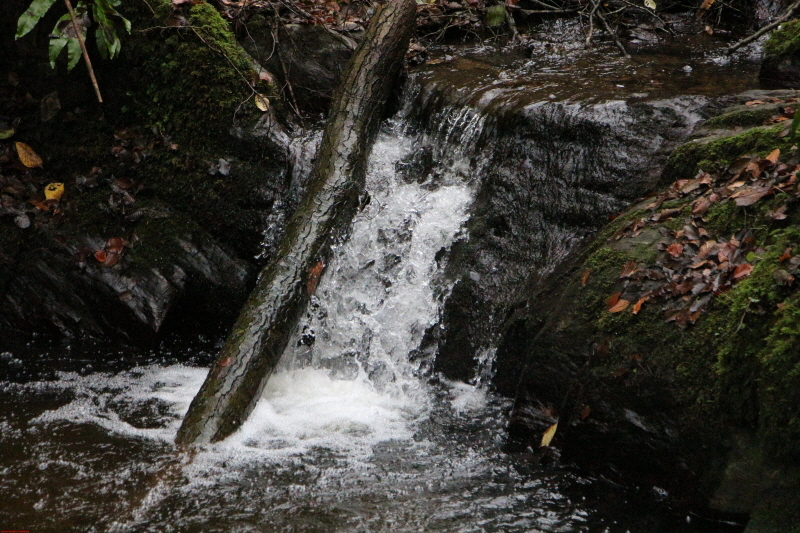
(355, 431)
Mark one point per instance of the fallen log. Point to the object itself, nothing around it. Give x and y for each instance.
(261, 333)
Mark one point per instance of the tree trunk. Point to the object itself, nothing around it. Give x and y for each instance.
(261, 333)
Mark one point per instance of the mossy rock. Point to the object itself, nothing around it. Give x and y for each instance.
(645, 398)
(781, 65)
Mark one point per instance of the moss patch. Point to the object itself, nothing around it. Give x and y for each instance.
(784, 41)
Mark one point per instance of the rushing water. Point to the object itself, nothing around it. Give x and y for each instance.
(352, 434)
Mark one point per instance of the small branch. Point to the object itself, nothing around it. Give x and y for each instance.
(786, 14)
(595, 5)
(292, 99)
(512, 26)
(79, 34)
(614, 35)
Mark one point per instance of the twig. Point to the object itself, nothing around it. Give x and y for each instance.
(595, 5)
(614, 35)
(78, 33)
(149, 7)
(786, 14)
(293, 100)
(512, 26)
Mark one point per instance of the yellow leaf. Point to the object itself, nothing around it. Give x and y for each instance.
(27, 156)
(53, 191)
(262, 102)
(706, 4)
(650, 3)
(548, 435)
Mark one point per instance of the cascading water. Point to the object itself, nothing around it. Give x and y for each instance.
(353, 434)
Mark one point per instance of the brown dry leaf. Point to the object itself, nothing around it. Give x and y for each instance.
(621, 305)
(706, 5)
(313, 277)
(752, 195)
(628, 269)
(613, 299)
(226, 361)
(700, 206)
(778, 214)
(585, 412)
(755, 102)
(112, 258)
(621, 371)
(639, 303)
(667, 213)
(115, 245)
(101, 256)
(675, 249)
(787, 254)
(773, 156)
(585, 276)
(27, 156)
(742, 271)
(549, 434)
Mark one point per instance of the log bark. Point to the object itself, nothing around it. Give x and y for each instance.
(261, 333)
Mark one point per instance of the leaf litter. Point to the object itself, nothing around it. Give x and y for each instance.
(694, 265)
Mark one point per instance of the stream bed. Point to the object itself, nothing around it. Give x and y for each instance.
(355, 432)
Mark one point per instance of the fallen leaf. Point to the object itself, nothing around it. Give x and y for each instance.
(773, 156)
(754, 102)
(549, 434)
(27, 156)
(752, 195)
(787, 254)
(100, 255)
(585, 276)
(262, 102)
(53, 191)
(585, 412)
(313, 277)
(742, 271)
(639, 303)
(700, 206)
(621, 305)
(115, 245)
(227, 361)
(628, 269)
(613, 299)
(778, 214)
(675, 249)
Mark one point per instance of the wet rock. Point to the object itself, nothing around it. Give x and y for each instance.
(643, 399)
(551, 173)
(313, 58)
(781, 66)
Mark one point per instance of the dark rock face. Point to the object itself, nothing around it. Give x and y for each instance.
(196, 198)
(781, 66)
(313, 58)
(640, 398)
(551, 175)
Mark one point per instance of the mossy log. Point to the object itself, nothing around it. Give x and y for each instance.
(261, 333)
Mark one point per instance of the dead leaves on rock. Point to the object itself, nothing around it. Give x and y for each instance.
(694, 265)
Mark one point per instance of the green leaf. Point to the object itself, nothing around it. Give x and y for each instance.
(35, 11)
(496, 15)
(56, 45)
(102, 43)
(74, 52)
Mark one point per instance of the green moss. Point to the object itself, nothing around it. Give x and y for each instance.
(785, 40)
(743, 116)
(189, 81)
(720, 151)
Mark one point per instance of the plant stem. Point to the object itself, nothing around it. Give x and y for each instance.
(79, 34)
